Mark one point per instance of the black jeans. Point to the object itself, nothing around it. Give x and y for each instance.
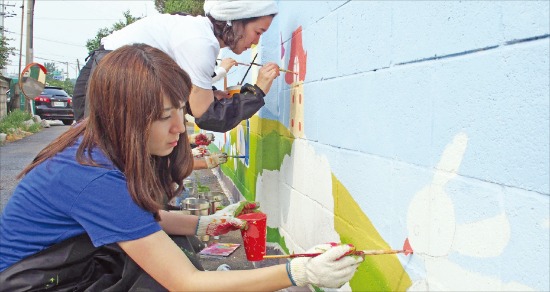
(76, 265)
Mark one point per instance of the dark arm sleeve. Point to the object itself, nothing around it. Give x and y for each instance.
(224, 115)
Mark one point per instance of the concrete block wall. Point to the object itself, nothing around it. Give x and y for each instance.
(421, 123)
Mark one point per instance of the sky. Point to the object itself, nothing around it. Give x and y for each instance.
(61, 28)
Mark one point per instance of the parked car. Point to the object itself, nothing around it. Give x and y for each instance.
(54, 104)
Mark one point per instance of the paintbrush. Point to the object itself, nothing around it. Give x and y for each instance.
(248, 69)
(358, 253)
(256, 64)
(260, 65)
(237, 156)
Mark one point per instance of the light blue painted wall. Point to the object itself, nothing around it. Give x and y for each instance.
(390, 84)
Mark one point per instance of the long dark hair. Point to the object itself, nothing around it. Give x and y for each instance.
(126, 92)
(231, 34)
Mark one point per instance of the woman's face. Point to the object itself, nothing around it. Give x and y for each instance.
(252, 32)
(166, 131)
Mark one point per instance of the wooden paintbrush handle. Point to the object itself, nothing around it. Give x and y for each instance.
(359, 253)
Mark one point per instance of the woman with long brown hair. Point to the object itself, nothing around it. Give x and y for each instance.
(87, 214)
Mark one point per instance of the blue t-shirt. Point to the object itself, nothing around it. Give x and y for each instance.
(61, 198)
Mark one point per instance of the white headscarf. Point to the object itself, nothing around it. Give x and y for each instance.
(236, 9)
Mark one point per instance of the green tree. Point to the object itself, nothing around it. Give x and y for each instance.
(193, 7)
(66, 84)
(5, 50)
(50, 67)
(93, 44)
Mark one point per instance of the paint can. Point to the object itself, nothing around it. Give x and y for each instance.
(215, 199)
(195, 206)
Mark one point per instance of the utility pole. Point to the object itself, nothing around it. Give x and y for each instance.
(29, 55)
(30, 21)
(67, 63)
(21, 36)
(17, 94)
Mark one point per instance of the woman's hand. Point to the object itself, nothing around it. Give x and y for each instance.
(215, 159)
(225, 219)
(266, 75)
(217, 224)
(332, 269)
(221, 94)
(201, 138)
(227, 63)
(240, 208)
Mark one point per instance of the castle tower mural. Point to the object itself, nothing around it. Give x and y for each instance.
(298, 58)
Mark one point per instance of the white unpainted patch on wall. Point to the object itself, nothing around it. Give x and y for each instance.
(304, 205)
(434, 233)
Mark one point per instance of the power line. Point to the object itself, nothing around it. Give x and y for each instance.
(46, 59)
(80, 19)
(11, 32)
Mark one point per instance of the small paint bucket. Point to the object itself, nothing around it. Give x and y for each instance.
(234, 89)
(215, 199)
(198, 207)
(255, 237)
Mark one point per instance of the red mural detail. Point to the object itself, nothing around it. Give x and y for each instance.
(300, 100)
(282, 47)
(300, 126)
(296, 53)
(293, 98)
(292, 123)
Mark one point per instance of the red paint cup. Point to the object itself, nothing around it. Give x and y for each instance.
(255, 237)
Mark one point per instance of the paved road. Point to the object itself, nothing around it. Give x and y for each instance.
(14, 156)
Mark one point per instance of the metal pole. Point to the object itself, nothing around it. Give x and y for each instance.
(30, 18)
(29, 107)
(17, 91)
(21, 35)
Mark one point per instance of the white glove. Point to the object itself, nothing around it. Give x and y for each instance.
(224, 220)
(331, 269)
(201, 138)
(240, 208)
(215, 159)
(200, 151)
(215, 225)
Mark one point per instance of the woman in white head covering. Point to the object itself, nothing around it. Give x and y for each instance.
(194, 43)
(232, 21)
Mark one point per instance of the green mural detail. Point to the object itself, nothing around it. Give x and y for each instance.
(274, 236)
(270, 142)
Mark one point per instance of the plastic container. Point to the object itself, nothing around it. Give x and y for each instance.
(234, 90)
(255, 237)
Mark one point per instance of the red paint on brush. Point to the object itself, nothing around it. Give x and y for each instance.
(407, 247)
